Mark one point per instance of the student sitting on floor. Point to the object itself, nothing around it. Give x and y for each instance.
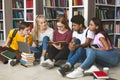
(23, 35)
(41, 34)
(104, 55)
(56, 51)
(85, 35)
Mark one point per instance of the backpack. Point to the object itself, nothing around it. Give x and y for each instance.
(86, 36)
(13, 35)
(2, 58)
(86, 33)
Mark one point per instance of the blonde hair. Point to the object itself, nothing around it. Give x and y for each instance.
(35, 31)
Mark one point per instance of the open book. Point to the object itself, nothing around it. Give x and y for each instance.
(8, 54)
(62, 43)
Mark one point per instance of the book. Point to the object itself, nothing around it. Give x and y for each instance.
(26, 62)
(63, 43)
(27, 54)
(29, 3)
(118, 42)
(100, 75)
(8, 54)
(95, 45)
(27, 59)
(26, 65)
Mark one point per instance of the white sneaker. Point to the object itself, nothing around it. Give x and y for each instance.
(41, 60)
(91, 69)
(76, 73)
(48, 64)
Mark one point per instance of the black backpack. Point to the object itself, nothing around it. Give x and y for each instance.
(13, 35)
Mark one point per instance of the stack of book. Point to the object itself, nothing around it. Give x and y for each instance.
(27, 59)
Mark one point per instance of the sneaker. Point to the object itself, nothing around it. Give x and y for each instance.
(48, 64)
(14, 62)
(91, 69)
(76, 73)
(62, 71)
(42, 60)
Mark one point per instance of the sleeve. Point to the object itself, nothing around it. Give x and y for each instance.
(90, 34)
(54, 35)
(74, 34)
(51, 35)
(100, 35)
(10, 33)
(69, 36)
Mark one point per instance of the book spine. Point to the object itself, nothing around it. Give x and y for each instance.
(29, 3)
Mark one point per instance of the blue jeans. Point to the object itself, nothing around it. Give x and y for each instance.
(76, 56)
(105, 58)
(38, 50)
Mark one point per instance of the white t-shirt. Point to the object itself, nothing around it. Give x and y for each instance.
(48, 32)
(82, 37)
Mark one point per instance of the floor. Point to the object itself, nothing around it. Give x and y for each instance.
(37, 72)
(19, 72)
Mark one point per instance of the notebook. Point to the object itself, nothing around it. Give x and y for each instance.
(100, 75)
(8, 54)
(24, 47)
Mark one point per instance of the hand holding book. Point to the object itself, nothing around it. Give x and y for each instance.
(58, 43)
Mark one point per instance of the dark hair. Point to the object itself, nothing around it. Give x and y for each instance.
(100, 29)
(23, 25)
(78, 19)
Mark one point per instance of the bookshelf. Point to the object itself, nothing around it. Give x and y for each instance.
(5, 22)
(18, 12)
(55, 8)
(67, 8)
(1, 20)
(117, 24)
(15, 12)
(109, 12)
(81, 7)
(105, 10)
(31, 9)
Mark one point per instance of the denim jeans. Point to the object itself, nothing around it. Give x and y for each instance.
(89, 59)
(76, 56)
(105, 58)
(38, 50)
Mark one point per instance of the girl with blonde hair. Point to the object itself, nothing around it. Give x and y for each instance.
(41, 34)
